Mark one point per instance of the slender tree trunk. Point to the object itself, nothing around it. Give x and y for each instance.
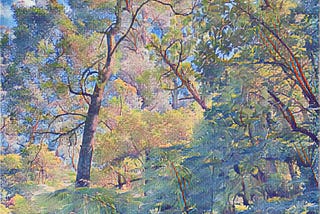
(147, 159)
(271, 168)
(244, 196)
(174, 95)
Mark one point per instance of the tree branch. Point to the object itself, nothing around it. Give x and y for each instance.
(136, 13)
(66, 114)
(296, 66)
(111, 51)
(180, 74)
(61, 134)
(289, 117)
(182, 190)
(78, 93)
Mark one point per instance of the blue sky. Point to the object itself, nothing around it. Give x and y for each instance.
(6, 14)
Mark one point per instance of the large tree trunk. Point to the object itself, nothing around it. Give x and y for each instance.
(85, 156)
(91, 123)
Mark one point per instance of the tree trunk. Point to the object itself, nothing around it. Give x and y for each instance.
(91, 123)
(147, 159)
(271, 168)
(174, 95)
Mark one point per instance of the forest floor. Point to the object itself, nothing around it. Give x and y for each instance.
(45, 189)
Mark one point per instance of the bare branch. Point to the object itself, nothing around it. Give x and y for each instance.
(61, 134)
(79, 93)
(69, 113)
(107, 125)
(181, 74)
(134, 16)
(186, 98)
(71, 154)
(105, 33)
(83, 87)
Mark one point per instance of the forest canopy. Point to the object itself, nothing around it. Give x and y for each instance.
(160, 106)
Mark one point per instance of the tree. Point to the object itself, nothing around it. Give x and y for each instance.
(246, 117)
(75, 50)
(173, 46)
(232, 42)
(288, 57)
(283, 55)
(180, 106)
(104, 73)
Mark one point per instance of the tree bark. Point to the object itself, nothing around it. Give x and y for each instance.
(174, 95)
(91, 123)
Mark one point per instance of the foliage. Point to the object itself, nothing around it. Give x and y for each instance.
(41, 165)
(80, 201)
(166, 174)
(4, 210)
(181, 107)
(21, 205)
(10, 162)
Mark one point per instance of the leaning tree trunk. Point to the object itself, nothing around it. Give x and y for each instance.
(91, 123)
